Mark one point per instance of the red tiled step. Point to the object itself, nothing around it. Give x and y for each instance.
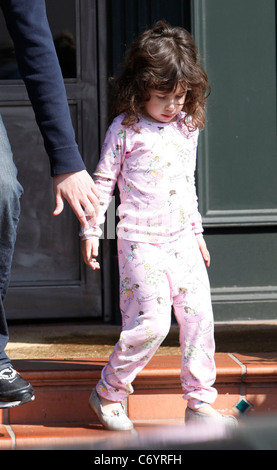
(93, 436)
(62, 389)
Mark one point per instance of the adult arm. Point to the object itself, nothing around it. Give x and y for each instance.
(39, 67)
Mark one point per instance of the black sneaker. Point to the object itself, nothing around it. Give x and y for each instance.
(14, 390)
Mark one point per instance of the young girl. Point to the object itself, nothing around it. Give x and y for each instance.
(150, 152)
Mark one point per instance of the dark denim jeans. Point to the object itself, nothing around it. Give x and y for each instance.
(10, 193)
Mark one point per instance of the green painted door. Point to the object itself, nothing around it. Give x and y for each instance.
(237, 160)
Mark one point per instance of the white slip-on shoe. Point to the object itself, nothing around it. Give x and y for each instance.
(196, 416)
(118, 421)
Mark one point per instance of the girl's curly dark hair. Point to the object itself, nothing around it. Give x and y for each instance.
(161, 58)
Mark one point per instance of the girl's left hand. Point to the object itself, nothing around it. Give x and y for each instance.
(204, 251)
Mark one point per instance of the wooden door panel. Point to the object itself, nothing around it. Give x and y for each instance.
(49, 278)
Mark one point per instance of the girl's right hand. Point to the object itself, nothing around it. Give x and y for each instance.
(90, 252)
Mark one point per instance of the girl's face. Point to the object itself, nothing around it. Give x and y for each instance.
(163, 106)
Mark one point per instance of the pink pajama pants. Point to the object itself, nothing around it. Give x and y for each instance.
(153, 278)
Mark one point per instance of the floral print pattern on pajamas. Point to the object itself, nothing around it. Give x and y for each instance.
(159, 259)
(153, 278)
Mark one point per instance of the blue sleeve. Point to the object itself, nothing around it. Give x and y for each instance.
(39, 67)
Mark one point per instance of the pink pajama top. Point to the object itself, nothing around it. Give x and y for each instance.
(154, 170)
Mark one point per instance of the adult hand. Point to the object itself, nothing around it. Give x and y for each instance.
(80, 191)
